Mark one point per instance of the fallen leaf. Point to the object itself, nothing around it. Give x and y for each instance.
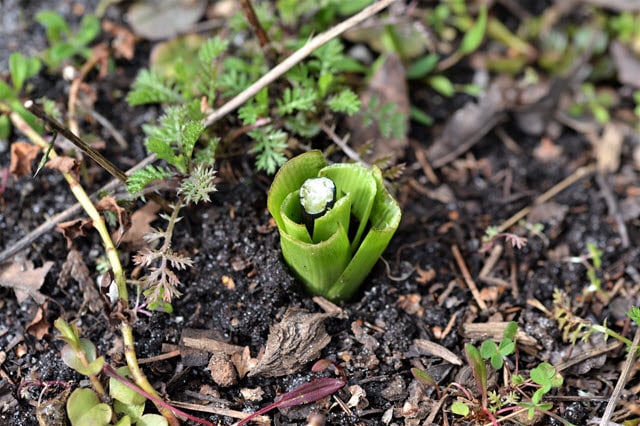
(24, 279)
(471, 122)
(22, 154)
(547, 151)
(75, 267)
(111, 205)
(39, 326)
(124, 41)
(244, 362)
(296, 340)
(162, 19)
(73, 229)
(141, 220)
(389, 86)
(64, 164)
(369, 342)
(627, 64)
(608, 148)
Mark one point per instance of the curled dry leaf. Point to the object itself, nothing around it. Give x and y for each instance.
(39, 326)
(292, 343)
(140, 226)
(110, 204)
(124, 42)
(24, 279)
(75, 267)
(64, 164)
(74, 228)
(22, 155)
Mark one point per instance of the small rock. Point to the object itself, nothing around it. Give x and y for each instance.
(222, 371)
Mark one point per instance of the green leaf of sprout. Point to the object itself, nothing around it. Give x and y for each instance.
(347, 240)
(460, 408)
(84, 408)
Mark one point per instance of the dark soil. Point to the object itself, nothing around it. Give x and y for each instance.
(422, 294)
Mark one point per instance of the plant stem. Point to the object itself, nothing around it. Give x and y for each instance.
(114, 261)
(110, 372)
(138, 376)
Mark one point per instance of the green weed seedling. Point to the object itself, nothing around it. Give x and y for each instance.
(21, 68)
(513, 395)
(507, 346)
(122, 405)
(64, 43)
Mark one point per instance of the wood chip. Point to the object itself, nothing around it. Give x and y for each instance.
(494, 331)
(427, 347)
(296, 340)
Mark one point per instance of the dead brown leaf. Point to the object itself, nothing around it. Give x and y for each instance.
(74, 228)
(110, 204)
(22, 154)
(75, 267)
(547, 151)
(389, 86)
(244, 362)
(471, 122)
(296, 340)
(39, 326)
(24, 279)
(124, 42)
(608, 148)
(64, 164)
(627, 64)
(140, 226)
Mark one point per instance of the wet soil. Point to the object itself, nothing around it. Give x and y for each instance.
(240, 287)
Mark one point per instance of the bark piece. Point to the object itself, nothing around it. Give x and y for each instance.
(292, 343)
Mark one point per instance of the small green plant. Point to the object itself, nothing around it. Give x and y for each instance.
(123, 403)
(507, 346)
(593, 263)
(64, 43)
(21, 68)
(331, 238)
(592, 101)
(514, 394)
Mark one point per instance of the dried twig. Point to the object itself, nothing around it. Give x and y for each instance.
(294, 59)
(622, 380)
(467, 277)
(555, 190)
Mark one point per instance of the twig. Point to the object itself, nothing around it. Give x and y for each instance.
(47, 226)
(250, 14)
(342, 143)
(612, 206)
(85, 147)
(467, 277)
(622, 380)
(104, 122)
(294, 59)
(555, 190)
(98, 54)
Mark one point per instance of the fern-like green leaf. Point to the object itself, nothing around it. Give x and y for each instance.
(190, 133)
(140, 179)
(197, 187)
(297, 100)
(269, 148)
(346, 101)
(149, 88)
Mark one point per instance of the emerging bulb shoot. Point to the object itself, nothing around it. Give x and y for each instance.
(317, 195)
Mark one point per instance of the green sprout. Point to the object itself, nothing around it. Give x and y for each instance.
(334, 222)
